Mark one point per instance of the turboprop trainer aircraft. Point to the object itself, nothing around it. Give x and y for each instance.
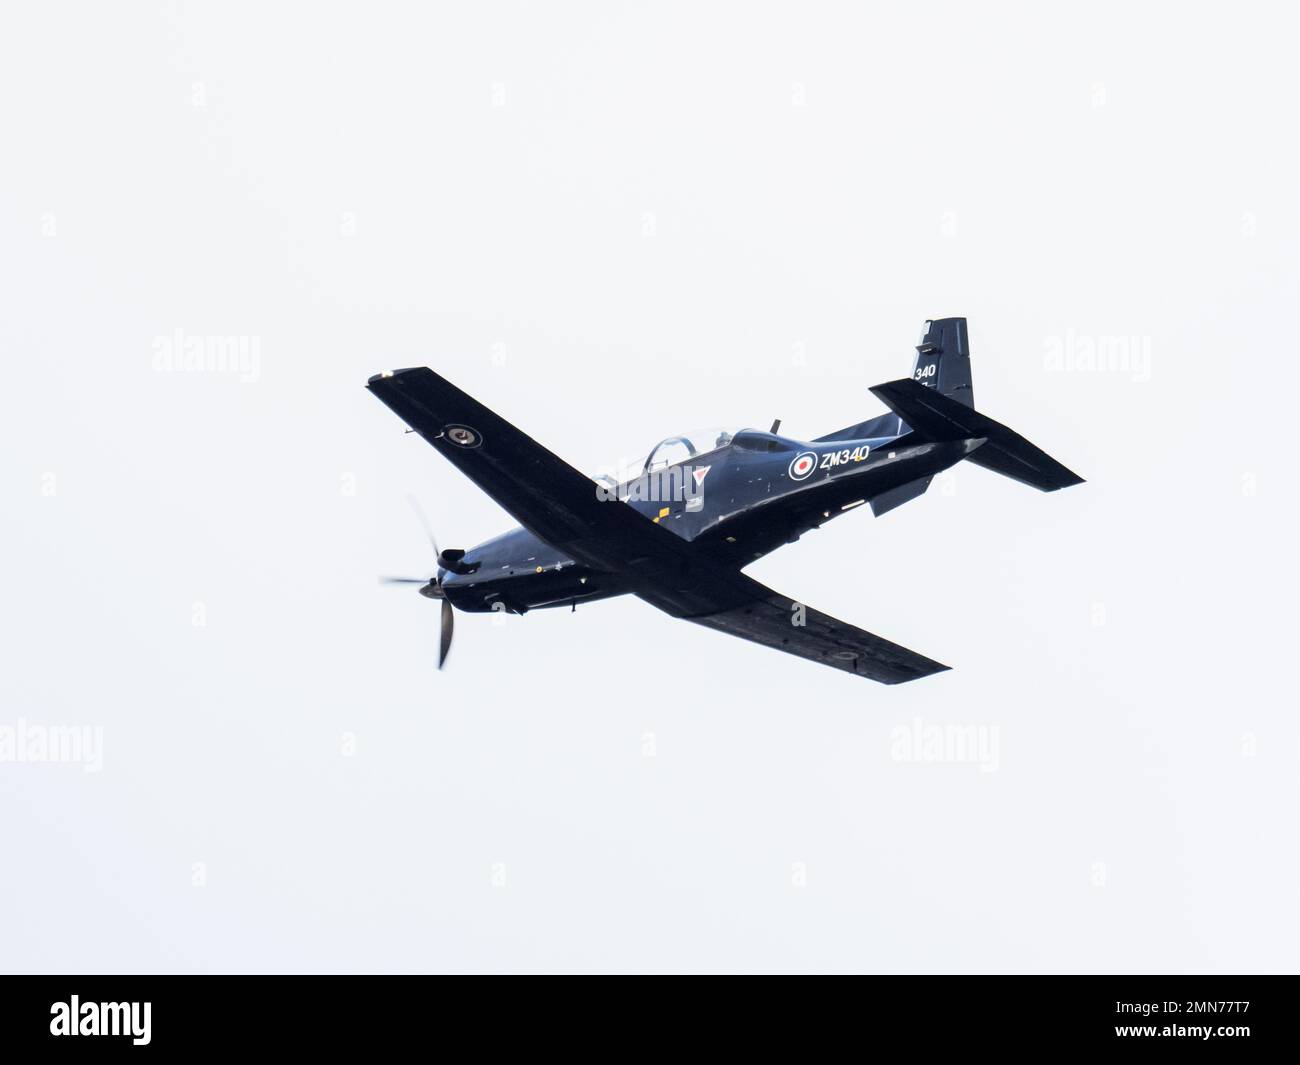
(680, 531)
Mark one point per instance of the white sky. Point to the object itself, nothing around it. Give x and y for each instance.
(608, 224)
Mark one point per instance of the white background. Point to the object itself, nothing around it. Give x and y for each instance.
(610, 222)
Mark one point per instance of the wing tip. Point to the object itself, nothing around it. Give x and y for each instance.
(1065, 478)
(388, 375)
(920, 674)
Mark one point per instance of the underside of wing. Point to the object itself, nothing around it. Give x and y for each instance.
(784, 624)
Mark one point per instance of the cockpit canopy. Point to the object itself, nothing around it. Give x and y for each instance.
(685, 447)
(670, 451)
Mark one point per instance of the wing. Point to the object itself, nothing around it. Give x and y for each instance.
(543, 492)
(786, 625)
(560, 505)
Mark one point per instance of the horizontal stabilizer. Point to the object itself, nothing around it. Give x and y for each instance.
(937, 417)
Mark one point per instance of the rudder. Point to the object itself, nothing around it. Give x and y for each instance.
(943, 360)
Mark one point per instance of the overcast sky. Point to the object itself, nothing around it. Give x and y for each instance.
(609, 223)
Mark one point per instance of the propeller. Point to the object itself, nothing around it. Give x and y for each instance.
(423, 519)
(432, 586)
(448, 628)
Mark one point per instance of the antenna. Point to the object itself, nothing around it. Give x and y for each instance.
(776, 425)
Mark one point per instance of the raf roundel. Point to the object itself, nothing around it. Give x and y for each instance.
(463, 436)
(802, 465)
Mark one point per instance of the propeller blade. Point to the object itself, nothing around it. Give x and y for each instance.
(448, 627)
(403, 580)
(424, 523)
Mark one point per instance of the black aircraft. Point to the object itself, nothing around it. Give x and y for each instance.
(701, 509)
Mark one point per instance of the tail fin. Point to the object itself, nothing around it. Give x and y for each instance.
(937, 416)
(943, 360)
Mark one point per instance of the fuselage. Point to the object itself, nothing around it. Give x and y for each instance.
(742, 500)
